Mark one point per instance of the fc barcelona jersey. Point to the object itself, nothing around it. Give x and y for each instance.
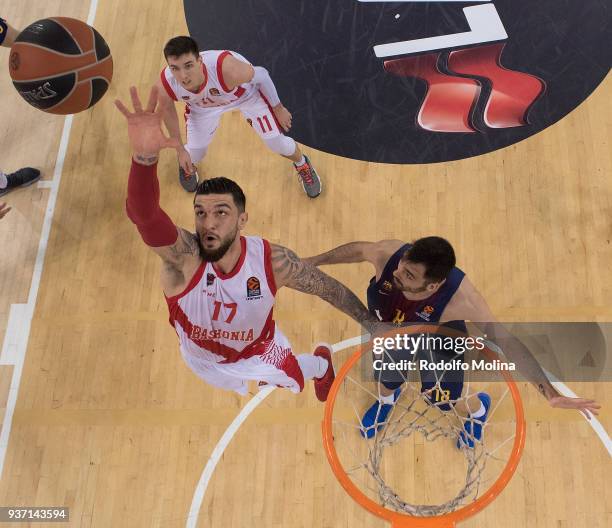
(388, 303)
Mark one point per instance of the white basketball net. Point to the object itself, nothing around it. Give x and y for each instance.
(413, 416)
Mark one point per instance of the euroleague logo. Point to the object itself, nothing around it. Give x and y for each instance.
(417, 81)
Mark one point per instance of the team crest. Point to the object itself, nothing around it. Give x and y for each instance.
(426, 312)
(253, 288)
(210, 278)
(387, 286)
(214, 91)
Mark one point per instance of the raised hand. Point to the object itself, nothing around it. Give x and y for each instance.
(283, 116)
(144, 127)
(585, 406)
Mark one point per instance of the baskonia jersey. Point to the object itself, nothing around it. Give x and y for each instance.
(214, 92)
(225, 318)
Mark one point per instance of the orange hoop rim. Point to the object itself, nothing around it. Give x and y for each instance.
(400, 520)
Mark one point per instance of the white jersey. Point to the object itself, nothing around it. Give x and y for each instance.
(225, 318)
(214, 92)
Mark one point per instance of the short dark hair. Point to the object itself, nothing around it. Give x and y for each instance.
(436, 254)
(178, 46)
(223, 185)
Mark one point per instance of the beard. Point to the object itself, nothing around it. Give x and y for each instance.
(213, 255)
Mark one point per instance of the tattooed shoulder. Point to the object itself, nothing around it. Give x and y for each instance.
(186, 244)
(179, 260)
(285, 263)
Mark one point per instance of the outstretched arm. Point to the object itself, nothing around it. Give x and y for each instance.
(473, 307)
(377, 253)
(291, 271)
(174, 245)
(344, 254)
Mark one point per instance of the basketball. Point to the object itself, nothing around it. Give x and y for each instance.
(61, 65)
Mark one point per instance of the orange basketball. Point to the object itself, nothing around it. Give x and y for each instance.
(61, 65)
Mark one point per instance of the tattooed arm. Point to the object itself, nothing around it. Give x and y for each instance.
(289, 270)
(181, 261)
(469, 304)
(178, 248)
(346, 253)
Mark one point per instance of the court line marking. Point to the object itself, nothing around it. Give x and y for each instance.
(593, 422)
(226, 438)
(566, 391)
(19, 323)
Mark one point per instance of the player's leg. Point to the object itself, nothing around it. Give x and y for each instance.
(277, 365)
(21, 178)
(476, 410)
(319, 367)
(376, 416)
(201, 127)
(261, 117)
(216, 375)
(445, 390)
(388, 389)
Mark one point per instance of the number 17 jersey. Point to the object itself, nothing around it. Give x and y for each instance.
(225, 318)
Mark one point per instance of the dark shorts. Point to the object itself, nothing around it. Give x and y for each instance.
(445, 385)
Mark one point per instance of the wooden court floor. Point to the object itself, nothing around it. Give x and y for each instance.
(109, 421)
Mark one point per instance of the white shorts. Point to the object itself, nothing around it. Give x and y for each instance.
(202, 123)
(276, 365)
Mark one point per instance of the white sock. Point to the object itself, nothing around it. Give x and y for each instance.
(312, 366)
(3, 180)
(301, 162)
(388, 400)
(480, 412)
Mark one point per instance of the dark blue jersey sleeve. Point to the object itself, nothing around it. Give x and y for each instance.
(3, 30)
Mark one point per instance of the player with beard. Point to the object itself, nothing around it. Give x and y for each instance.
(220, 286)
(419, 282)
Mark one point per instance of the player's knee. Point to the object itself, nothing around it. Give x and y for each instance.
(283, 145)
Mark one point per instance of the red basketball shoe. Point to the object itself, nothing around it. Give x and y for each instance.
(323, 384)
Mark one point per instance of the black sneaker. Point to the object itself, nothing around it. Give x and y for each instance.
(309, 178)
(21, 178)
(189, 182)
